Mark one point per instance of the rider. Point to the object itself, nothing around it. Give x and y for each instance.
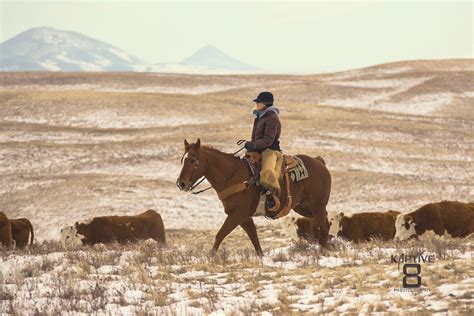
(265, 140)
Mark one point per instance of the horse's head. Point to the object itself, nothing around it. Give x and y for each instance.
(193, 168)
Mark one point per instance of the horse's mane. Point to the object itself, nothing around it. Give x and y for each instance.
(213, 149)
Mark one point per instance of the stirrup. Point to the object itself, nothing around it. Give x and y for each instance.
(276, 200)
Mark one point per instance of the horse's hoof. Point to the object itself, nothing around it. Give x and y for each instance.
(260, 254)
(213, 253)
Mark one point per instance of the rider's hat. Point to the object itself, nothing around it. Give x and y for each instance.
(265, 98)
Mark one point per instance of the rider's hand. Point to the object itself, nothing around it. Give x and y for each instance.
(249, 146)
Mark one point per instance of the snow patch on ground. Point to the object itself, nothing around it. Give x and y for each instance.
(111, 119)
(422, 104)
(458, 289)
(380, 83)
(187, 90)
(419, 105)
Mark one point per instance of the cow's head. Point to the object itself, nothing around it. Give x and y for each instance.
(335, 223)
(289, 227)
(70, 238)
(193, 167)
(404, 227)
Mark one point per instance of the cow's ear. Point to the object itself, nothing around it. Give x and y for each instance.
(186, 145)
(198, 143)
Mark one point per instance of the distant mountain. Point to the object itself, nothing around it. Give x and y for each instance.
(206, 60)
(213, 58)
(48, 49)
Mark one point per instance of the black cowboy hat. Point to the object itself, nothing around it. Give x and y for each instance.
(265, 98)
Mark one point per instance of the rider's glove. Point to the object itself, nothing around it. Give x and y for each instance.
(249, 146)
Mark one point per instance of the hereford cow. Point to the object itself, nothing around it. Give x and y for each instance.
(21, 230)
(120, 229)
(300, 227)
(447, 218)
(5, 231)
(363, 226)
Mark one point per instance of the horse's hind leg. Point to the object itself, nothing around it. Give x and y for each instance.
(322, 220)
(249, 227)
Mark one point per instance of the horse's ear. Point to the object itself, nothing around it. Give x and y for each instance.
(186, 145)
(198, 143)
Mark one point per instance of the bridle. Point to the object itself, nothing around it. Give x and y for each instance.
(198, 181)
(196, 165)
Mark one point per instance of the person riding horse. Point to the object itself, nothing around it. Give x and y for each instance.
(265, 140)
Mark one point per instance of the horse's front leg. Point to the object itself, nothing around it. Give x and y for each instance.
(233, 220)
(249, 227)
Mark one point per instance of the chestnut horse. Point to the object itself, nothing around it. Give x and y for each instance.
(222, 170)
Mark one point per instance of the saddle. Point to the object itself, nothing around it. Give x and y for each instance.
(254, 161)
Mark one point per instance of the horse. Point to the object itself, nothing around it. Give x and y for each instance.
(226, 172)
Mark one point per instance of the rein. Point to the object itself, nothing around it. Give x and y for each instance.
(239, 142)
(226, 192)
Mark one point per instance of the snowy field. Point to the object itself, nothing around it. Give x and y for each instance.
(182, 279)
(74, 146)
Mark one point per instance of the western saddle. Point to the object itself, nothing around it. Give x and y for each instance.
(255, 160)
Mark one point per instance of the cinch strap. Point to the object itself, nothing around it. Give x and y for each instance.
(233, 189)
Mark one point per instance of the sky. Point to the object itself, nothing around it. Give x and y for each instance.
(298, 37)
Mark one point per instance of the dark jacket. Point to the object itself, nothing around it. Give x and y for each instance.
(266, 130)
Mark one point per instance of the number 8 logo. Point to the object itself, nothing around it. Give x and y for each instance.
(411, 276)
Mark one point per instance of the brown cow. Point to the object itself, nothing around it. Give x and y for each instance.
(120, 229)
(300, 227)
(21, 229)
(363, 226)
(5, 231)
(451, 218)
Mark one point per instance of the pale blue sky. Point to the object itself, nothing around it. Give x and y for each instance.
(311, 36)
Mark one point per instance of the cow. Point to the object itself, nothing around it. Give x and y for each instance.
(121, 229)
(361, 227)
(446, 218)
(21, 229)
(5, 231)
(298, 227)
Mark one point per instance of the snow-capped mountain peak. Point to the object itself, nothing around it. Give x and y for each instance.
(49, 49)
(212, 57)
(46, 48)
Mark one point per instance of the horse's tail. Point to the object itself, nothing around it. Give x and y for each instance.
(320, 159)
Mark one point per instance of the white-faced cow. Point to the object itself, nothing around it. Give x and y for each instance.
(121, 229)
(360, 227)
(298, 227)
(447, 218)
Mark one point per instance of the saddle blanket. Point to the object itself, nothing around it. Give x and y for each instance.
(299, 172)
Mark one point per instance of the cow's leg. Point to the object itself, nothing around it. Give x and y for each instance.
(249, 227)
(231, 222)
(322, 219)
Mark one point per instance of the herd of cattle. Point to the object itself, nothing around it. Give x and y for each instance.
(447, 218)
